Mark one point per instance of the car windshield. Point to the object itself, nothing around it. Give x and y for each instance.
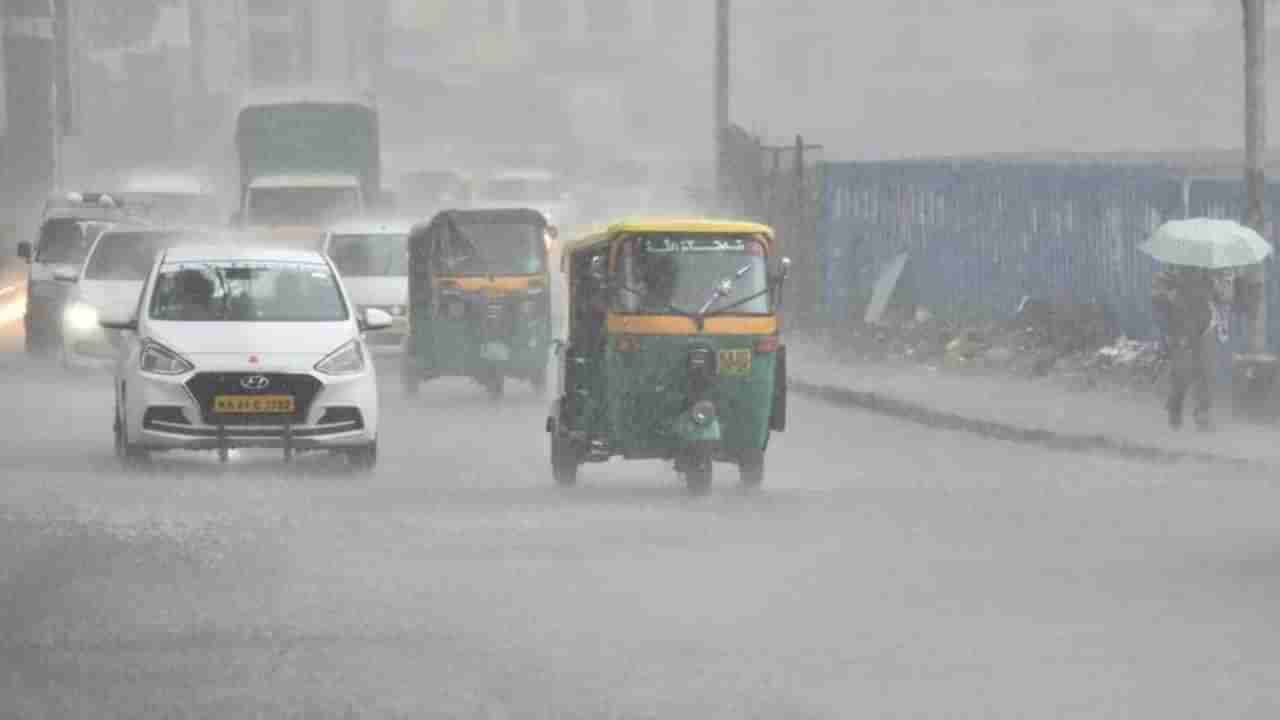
(666, 272)
(247, 291)
(301, 206)
(66, 240)
(370, 255)
(127, 256)
(493, 248)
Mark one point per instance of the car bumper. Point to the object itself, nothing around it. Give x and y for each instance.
(183, 426)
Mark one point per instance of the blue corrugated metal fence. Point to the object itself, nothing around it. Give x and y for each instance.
(983, 235)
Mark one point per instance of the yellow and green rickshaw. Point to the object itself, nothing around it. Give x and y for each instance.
(673, 350)
(479, 299)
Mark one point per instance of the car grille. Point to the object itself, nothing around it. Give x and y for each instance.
(204, 387)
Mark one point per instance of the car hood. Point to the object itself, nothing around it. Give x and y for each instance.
(115, 298)
(285, 343)
(377, 291)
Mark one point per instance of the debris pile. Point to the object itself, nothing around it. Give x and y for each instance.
(1076, 343)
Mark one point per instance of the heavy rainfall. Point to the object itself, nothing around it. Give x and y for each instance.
(637, 359)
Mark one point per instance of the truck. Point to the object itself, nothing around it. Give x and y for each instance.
(306, 160)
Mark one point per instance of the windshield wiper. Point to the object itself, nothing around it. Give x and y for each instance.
(724, 289)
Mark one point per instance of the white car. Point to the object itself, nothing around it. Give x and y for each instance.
(373, 259)
(246, 348)
(110, 280)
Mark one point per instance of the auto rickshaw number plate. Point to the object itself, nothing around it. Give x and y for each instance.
(735, 362)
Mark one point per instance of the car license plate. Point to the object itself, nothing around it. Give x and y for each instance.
(253, 404)
(735, 362)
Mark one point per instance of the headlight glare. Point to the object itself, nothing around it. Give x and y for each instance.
(80, 317)
(160, 360)
(346, 360)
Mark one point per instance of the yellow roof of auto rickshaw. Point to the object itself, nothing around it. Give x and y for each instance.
(672, 225)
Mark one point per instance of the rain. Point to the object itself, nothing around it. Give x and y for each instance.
(638, 359)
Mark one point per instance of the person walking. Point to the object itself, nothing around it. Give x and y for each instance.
(1186, 302)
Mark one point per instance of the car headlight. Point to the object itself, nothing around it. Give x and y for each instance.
(346, 360)
(80, 317)
(396, 311)
(160, 360)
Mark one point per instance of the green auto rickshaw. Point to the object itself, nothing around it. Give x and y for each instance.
(479, 299)
(673, 350)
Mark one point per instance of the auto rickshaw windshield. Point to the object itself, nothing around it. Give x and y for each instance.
(673, 272)
(494, 248)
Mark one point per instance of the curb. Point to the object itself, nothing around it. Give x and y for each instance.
(1062, 442)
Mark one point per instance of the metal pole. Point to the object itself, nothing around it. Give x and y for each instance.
(722, 102)
(1255, 145)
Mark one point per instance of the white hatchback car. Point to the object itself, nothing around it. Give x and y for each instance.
(111, 279)
(246, 348)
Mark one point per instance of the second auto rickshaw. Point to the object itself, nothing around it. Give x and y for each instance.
(479, 298)
(673, 350)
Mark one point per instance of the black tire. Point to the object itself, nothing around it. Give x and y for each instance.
(698, 480)
(564, 462)
(751, 469)
(363, 459)
(131, 457)
(496, 384)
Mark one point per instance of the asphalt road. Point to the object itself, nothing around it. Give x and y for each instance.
(884, 571)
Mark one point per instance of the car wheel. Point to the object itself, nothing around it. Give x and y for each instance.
(131, 456)
(363, 459)
(751, 468)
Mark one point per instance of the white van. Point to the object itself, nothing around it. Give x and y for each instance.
(373, 259)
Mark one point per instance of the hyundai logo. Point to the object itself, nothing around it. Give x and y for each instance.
(255, 382)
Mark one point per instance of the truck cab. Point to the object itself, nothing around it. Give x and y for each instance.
(295, 210)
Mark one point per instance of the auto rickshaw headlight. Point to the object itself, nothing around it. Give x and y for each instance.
(701, 361)
(703, 412)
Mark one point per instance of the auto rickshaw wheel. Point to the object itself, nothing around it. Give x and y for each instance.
(698, 480)
(564, 463)
(751, 468)
(495, 384)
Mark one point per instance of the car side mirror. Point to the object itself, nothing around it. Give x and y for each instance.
(117, 321)
(375, 319)
(24, 251)
(66, 276)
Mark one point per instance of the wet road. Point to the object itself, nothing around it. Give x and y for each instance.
(886, 570)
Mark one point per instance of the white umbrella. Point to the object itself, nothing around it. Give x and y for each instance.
(1207, 243)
